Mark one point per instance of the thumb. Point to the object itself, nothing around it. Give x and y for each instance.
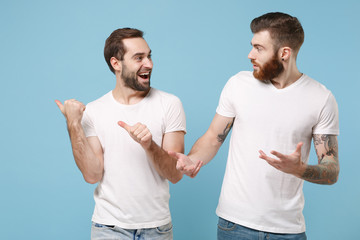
(172, 154)
(124, 125)
(298, 147)
(59, 104)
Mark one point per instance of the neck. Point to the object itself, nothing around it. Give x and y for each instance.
(290, 75)
(126, 95)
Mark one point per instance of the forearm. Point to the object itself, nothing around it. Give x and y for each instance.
(90, 165)
(205, 148)
(326, 172)
(164, 164)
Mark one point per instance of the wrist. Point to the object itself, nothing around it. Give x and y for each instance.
(301, 170)
(149, 146)
(73, 123)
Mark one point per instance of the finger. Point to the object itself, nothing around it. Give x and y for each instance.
(140, 131)
(174, 154)
(262, 154)
(298, 147)
(145, 138)
(279, 155)
(180, 166)
(197, 169)
(124, 125)
(268, 159)
(59, 104)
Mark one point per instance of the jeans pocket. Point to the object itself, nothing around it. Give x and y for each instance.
(226, 225)
(165, 228)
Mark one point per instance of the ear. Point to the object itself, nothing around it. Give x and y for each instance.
(285, 53)
(115, 64)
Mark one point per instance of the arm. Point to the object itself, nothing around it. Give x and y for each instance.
(88, 153)
(327, 169)
(164, 164)
(206, 147)
(325, 172)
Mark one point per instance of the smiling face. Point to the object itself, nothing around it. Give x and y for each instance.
(137, 64)
(263, 56)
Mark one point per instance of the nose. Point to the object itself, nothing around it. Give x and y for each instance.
(251, 54)
(148, 63)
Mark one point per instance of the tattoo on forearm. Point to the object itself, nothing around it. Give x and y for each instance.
(326, 172)
(221, 137)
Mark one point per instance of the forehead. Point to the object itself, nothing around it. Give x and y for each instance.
(135, 45)
(262, 38)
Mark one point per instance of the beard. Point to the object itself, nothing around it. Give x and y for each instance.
(270, 70)
(131, 80)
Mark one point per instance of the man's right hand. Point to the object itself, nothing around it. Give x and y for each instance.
(72, 110)
(185, 165)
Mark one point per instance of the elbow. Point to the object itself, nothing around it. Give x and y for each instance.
(176, 179)
(335, 177)
(92, 179)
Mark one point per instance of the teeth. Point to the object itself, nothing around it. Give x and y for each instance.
(144, 74)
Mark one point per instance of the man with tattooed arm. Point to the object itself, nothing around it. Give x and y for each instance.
(271, 111)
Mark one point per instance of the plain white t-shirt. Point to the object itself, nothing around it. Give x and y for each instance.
(131, 193)
(255, 194)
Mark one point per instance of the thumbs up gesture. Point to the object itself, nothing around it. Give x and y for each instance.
(139, 132)
(72, 110)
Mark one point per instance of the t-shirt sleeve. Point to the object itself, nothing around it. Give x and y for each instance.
(87, 124)
(329, 118)
(225, 107)
(175, 116)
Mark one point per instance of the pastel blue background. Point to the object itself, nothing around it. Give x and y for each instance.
(54, 50)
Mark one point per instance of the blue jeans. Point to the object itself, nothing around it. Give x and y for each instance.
(231, 231)
(102, 232)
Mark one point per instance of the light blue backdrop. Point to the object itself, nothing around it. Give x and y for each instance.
(54, 49)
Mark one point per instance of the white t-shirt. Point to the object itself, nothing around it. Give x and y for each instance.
(131, 193)
(255, 194)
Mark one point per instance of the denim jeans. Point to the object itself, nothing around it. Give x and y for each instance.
(231, 231)
(102, 232)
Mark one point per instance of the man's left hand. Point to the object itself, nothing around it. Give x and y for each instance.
(291, 164)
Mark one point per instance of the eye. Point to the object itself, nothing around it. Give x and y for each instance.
(149, 57)
(139, 58)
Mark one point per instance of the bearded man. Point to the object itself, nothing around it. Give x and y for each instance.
(275, 110)
(120, 141)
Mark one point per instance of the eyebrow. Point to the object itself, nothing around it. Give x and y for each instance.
(140, 54)
(256, 45)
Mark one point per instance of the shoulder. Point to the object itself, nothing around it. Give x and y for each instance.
(100, 102)
(162, 96)
(315, 88)
(241, 78)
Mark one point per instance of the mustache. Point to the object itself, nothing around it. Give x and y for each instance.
(253, 62)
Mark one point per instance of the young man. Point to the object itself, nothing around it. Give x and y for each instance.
(272, 110)
(120, 141)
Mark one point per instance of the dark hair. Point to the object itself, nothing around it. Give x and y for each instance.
(284, 29)
(114, 46)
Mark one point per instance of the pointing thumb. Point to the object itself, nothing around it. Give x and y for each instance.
(124, 125)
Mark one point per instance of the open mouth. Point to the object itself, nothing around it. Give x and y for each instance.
(145, 76)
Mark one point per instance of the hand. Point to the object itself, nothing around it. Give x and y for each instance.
(72, 110)
(139, 132)
(185, 165)
(291, 164)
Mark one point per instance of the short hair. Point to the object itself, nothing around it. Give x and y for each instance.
(284, 29)
(114, 46)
